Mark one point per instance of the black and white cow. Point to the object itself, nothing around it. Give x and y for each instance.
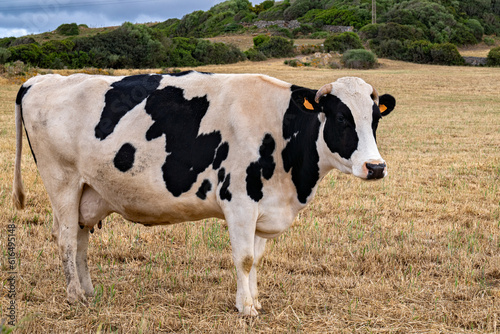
(163, 149)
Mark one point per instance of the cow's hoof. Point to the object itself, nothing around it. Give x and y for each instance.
(250, 311)
(89, 293)
(257, 304)
(76, 295)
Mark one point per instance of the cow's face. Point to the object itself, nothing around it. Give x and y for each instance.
(350, 110)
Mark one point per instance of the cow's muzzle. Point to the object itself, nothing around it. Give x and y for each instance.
(375, 170)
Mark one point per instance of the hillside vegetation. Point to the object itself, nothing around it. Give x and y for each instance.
(432, 29)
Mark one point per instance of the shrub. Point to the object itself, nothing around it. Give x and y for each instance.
(493, 57)
(255, 55)
(489, 41)
(369, 31)
(22, 41)
(258, 40)
(476, 28)
(391, 48)
(419, 52)
(4, 55)
(297, 9)
(257, 9)
(344, 16)
(27, 53)
(446, 54)
(461, 35)
(304, 29)
(275, 12)
(343, 42)
(398, 31)
(276, 47)
(320, 35)
(359, 59)
(68, 29)
(217, 53)
(6, 42)
(277, 31)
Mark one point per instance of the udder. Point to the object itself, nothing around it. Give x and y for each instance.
(93, 208)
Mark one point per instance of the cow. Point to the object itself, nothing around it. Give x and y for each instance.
(164, 149)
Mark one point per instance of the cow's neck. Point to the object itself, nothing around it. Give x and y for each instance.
(300, 155)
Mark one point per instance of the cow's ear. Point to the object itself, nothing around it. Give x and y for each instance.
(304, 99)
(386, 104)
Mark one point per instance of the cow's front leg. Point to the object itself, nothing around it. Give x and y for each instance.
(242, 235)
(259, 247)
(81, 262)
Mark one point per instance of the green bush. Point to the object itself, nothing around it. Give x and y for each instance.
(446, 54)
(276, 47)
(217, 53)
(343, 42)
(320, 35)
(304, 29)
(6, 41)
(359, 59)
(392, 49)
(68, 29)
(419, 52)
(494, 57)
(260, 39)
(489, 41)
(476, 28)
(4, 55)
(399, 31)
(23, 41)
(340, 16)
(275, 12)
(27, 53)
(257, 9)
(369, 31)
(284, 32)
(461, 35)
(255, 55)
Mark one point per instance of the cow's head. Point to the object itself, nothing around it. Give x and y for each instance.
(350, 110)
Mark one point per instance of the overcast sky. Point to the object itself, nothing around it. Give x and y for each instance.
(23, 17)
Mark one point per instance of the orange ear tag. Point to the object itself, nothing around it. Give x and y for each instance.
(382, 108)
(308, 104)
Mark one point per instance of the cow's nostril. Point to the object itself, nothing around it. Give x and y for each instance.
(375, 171)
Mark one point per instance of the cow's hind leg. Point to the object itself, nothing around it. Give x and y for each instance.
(65, 198)
(259, 247)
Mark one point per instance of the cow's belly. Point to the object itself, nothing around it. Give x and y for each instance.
(144, 204)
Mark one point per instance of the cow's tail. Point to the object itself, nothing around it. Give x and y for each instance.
(18, 195)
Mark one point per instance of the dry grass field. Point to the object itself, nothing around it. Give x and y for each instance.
(417, 252)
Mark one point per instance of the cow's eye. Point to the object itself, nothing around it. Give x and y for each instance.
(341, 119)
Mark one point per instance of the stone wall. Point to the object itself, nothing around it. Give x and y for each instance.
(475, 61)
(296, 24)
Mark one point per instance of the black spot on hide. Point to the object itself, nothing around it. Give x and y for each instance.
(123, 96)
(221, 155)
(264, 167)
(300, 156)
(340, 130)
(189, 153)
(124, 159)
(224, 193)
(205, 187)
